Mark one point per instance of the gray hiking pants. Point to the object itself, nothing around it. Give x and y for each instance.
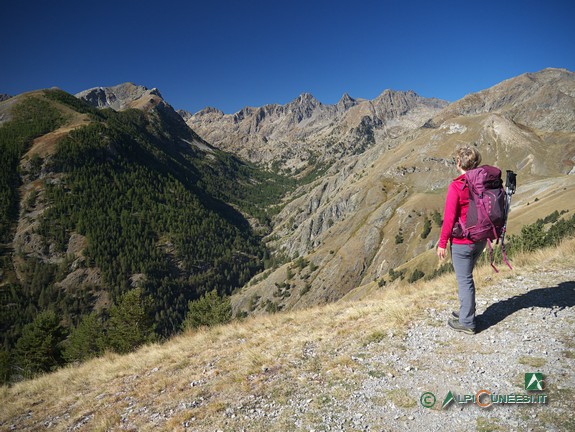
(464, 258)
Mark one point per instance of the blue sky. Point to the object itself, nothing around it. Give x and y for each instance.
(230, 54)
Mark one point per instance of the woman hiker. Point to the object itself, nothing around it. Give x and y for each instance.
(464, 253)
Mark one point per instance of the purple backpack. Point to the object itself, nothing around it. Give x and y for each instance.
(486, 213)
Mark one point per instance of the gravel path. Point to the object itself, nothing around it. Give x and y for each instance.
(526, 325)
(377, 383)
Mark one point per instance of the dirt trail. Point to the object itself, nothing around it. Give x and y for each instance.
(46, 144)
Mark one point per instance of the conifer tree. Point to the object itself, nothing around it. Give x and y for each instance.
(5, 366)
(130, 324)
(85, 340)
(208, 310)
(39, 349)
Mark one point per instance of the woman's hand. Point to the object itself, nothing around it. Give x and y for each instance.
(441, 253)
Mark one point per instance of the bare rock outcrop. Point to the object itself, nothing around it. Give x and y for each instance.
(120, 97)
(366, 215)
(544, 100)
(306, 130)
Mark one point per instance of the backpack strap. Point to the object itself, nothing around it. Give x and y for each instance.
(502, 251)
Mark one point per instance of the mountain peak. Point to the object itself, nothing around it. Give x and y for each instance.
(306, 98)
(121, 96)
(544, 100)
(210, 110)
(389, 93)
(346, 101)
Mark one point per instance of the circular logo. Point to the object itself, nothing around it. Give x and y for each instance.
(427, 399)
(478, 398)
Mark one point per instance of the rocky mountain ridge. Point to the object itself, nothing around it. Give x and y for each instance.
(542, 100)
(131, 96)
(386, 165)
(122, 96)
(366, 216)
(305, 130)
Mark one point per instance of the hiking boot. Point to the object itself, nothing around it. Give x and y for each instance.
(455, 314)
(457, 326)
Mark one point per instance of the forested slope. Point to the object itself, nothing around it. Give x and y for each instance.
(128, 200)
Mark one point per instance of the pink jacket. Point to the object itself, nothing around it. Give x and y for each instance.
(456, 205)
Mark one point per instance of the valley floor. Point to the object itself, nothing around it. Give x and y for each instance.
(359, 365)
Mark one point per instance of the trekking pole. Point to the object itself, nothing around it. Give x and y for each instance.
(510, 186)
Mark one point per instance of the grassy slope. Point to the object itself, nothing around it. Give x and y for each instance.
(264, 356)
(360, 246)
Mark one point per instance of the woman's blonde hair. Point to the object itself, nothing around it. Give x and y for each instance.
(468, 156)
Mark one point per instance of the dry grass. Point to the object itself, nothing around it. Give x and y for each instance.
(209, 370)
(536, 362)
(46, 144)
(401, 398)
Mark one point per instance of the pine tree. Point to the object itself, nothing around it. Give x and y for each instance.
(5, 367)
(39, 349)
(208, 310)
(130, 324)
(416, 275)
(85, 340)
(426, 228)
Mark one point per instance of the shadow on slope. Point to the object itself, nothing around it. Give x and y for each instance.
(561, 296)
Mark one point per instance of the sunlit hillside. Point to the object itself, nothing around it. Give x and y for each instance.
(358, 364)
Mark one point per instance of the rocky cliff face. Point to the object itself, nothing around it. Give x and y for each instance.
(543, 101)
(121, 97)
(128, 95)
(366, 216)
(389, 162)
(304, 130)
(4, 97)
